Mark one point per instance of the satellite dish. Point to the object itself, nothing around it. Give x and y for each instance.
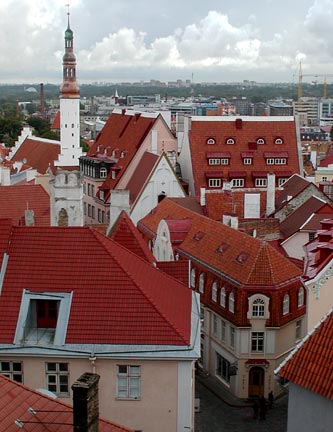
(47, 393)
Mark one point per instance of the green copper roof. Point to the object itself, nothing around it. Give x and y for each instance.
(68, 34)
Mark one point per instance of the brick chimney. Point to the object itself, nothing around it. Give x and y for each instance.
(85, 403)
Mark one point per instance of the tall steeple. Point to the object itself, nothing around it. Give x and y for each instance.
(71, 150)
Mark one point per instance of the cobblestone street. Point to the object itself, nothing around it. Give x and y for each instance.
(215, 415)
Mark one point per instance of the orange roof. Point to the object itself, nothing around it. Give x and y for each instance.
(38, 153)
(245, 259)
(15, 199)
(56, 122)
(16, 399)
(310, 365)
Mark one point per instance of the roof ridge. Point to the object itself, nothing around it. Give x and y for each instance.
(151, 301)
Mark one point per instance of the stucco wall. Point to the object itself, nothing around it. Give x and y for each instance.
(308, 411)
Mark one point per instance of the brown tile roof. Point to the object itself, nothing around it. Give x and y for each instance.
(245, 132)
(52, 415)
(291, 187)
(38, 153)
(14, 200)
(314, 222)
(247, 260)
(310, 365)
(56, 122)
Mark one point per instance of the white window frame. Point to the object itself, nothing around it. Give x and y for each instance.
(103, 172)
(280, 161)
(225, 161)
(231, 302)
(223, 333)
(260, 141)
(278, 141)
(214, 182)
(215, 325)
(232, 333)
(281, 181)
(270, 161)
(260, 182)
(125, 380)
(258, 308)
(247, 161)
(214, 161)
(230, 141)
(238, 182)
(210, 141)
(202, 283)
(223, 297)
(324, 178)
(298, 332)
(286, 304)
(258, 342)
(57, 378)
(222, 369)
(10, 372)
(193, 276)
(214, 292)
(300, 297)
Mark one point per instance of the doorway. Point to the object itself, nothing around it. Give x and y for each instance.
(256, 382)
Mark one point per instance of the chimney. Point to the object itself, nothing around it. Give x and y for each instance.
(120, 201)
(85, 403)
(270, 198)
(29, 217)
(42, 101)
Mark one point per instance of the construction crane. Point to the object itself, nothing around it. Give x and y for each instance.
(300, 78)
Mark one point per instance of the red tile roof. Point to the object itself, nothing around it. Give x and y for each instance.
(141, 174)
(38, 153)
(56, 122)
(245, 132)
(177, 269)
(51, 414)
(125, 233)
(310, 365)
(14, 200)
(248, 260)
(292, 187)
(327, 161)
(113, 288)
(122, 135)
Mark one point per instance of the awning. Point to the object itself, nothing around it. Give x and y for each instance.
(247, 155)
(282, 174)
(262, 362)
(214, 174)
(218, 155)
(276, 154)
(259, 173)
(237, 174)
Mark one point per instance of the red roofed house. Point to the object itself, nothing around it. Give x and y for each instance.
(252, 297)
(21, 407)
(74, 301)
(124, 157)
(309, 370)
(240, 151)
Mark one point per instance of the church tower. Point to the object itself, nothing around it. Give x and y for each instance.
(69, 108)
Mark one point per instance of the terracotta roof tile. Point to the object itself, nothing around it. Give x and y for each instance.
(38, 153)
(14, 200)
(56, 122)
(245, 138)
(310, 364)
(113, 288)
(16, 399)
(292, 187)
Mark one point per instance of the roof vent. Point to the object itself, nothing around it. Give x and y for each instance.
(239, 123)
(199, 235)
(242, 257)
(222, 248)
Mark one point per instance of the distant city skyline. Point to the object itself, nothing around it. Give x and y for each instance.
(127, 40)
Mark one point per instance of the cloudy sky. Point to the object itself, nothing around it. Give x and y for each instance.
(132, 40)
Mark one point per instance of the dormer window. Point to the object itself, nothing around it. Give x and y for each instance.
(43, 318)
(222, 248)
(260, 141)
(230, 141)
(113, 175)
(214, 291)
(103, 172)
(210, 141)
(202, 283)
(247, 161)
(193, 278)
(222, 297)
(285, 305)
(199, 235)
(231, 302)
(242, 257)
(300, 297)
(278, 141)
(258, 308)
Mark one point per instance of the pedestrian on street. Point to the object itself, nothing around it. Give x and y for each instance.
(270, 399)
(262, 408)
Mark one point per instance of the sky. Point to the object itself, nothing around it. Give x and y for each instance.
(134, 40)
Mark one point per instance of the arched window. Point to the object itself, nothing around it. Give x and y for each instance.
(210, 141)
(202, 282)
(222, 297)
(193, 278)
(260, 141)
(300, 297)
(214, 291)
(102, 172)
(285, 305)
(278, 141)
(232, 302)
(230, 141)
(258, 308)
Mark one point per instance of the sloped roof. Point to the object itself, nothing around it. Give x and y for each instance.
(297, 218)
(122, 135)
(227, 202)
(310, 365)
(327, 161)
(113, 288)
(313, 223)
(56, 122)
(14, 200)
(141, 174)
(245, 132)
(125, 233)
(38, 153)
(245, 259)
(16, 399)
(292, 187)
(177, 269)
